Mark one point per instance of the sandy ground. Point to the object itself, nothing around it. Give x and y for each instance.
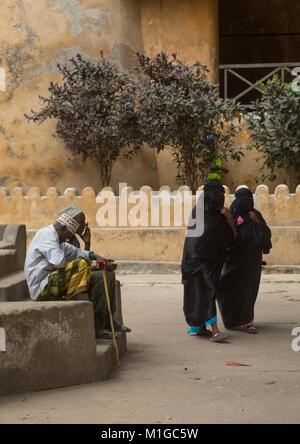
(168, 377)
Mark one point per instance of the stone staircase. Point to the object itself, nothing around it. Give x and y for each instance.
(13, 286)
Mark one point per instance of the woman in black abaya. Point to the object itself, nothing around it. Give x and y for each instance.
(203, 257)
(240, 279)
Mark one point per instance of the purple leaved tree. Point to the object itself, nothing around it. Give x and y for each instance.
(94, 109)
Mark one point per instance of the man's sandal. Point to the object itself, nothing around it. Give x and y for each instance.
(122, 329)
(104, 336)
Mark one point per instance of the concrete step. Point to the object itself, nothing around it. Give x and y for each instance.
(106, 355)
(145, 267)
(8, 261)
(13, 287)
(52, 344)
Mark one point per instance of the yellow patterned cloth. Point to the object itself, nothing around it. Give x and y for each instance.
(67, 282)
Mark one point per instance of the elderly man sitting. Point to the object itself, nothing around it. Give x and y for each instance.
(56, 270)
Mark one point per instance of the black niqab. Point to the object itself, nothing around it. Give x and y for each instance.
(242, 204)
(203, 258)
(217, 236)
(214, 196)
(240, 279)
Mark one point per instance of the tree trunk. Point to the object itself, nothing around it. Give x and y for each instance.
(105, 166)
(193, 172)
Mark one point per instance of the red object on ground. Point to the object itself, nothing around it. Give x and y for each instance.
(237, 364)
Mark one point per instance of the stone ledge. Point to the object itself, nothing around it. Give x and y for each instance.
(50, 345)
(281, 269)
(145, 267)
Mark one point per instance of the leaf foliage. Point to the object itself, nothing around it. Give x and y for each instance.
(179, 108)
(275, 129)
(94, 109)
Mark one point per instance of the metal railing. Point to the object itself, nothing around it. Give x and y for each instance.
(284, 69)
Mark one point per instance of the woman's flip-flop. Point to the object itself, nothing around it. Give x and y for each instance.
(218, 337)
(251, 330)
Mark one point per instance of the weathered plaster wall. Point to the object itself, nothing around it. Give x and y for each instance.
(189, 28)
(36, 35)
(166, 244)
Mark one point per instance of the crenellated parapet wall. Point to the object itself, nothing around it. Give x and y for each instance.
(135, 208)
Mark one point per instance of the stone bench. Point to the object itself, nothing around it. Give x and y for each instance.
(52, 344)
(13, 286)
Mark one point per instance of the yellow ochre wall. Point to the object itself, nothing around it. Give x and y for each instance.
(36, 35)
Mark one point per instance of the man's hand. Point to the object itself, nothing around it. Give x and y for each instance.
(253, 216)
(86, 236)
(110, 265)
(95, 257)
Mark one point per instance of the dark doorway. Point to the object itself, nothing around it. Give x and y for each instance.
(257, 32)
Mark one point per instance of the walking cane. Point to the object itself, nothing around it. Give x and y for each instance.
(111, 319)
